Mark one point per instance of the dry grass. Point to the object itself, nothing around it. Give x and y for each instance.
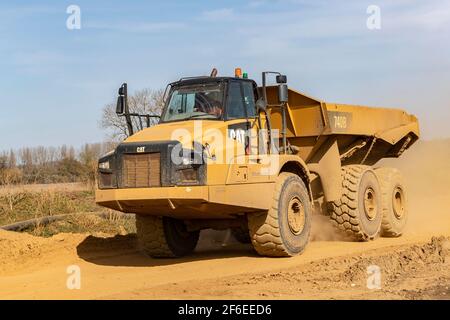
(23, 202)
(18, 205)
(53, 187)
(87, 223)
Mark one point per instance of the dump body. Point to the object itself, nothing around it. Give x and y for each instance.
(363, 134)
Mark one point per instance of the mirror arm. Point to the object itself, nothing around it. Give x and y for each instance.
(281, 79)
(127, 110)
(123, 110)
(283, 129)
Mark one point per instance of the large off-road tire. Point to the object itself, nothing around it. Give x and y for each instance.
(162, 237)
(241, 235)
(284, 229)
(359, 211)
(394, 202)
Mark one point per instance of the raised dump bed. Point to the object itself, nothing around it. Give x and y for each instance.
(364, 135)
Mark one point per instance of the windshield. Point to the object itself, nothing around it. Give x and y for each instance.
(203, 101)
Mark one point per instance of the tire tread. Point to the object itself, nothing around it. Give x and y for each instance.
(264, 226)
(344, 212)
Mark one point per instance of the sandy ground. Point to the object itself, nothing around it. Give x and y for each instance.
(414, 266)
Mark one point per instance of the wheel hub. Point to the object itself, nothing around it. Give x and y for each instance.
(398, 203)
(296, 216)
(370, 204)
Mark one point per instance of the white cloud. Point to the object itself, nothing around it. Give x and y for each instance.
(256, 3)
(38, 58)
(136, 27)
(433, 19)
(17, 12)
(41, 62)
(223, 14)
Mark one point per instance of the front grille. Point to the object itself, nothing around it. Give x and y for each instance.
(141, 170)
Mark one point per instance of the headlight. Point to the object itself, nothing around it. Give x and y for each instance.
(187, 168)
(187, 171)
(104, 165)
(188, 175)
(186, 161)
(106, 175)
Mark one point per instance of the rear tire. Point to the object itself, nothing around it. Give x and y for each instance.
(394, 200)
(359, 212)
(284, 229)
(162, 237)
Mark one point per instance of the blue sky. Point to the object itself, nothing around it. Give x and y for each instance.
(55, 81)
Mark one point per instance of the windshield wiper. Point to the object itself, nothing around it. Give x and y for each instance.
(201, 115)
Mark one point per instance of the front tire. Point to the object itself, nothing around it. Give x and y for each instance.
(163, 237)
(284, 229)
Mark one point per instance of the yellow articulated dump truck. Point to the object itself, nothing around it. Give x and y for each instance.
(227, 154)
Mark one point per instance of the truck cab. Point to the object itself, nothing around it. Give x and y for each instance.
(221, 99)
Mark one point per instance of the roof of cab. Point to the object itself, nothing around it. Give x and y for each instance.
(205, 79)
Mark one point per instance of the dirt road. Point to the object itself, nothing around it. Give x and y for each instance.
(113, 268)
(415, 266)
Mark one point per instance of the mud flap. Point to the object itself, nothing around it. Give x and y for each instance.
(326, 163)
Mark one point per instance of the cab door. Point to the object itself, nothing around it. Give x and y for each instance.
(244, 128)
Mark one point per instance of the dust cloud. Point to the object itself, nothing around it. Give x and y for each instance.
(426, 170)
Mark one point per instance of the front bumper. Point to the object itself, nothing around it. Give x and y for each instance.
(189, 202)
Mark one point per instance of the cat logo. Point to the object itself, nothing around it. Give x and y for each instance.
(140, 149)
(239, 131)
(237, 134)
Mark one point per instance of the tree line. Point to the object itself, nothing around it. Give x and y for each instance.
(51, 164)
(68, 164)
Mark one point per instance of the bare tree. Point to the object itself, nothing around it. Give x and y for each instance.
(52, 164)
(3, 160)
(40, 156)
(26, 158)
(146, 101)
(12, 160)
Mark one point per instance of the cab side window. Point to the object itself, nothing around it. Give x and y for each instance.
(249, 99)
(241, 100)
(235, 103)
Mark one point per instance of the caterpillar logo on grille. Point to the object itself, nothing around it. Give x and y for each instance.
(141, 170)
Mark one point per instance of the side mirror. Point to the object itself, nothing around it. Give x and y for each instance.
(283, 94)
(122, 99)
(120, 105)
(281, 78)
(261, 105)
